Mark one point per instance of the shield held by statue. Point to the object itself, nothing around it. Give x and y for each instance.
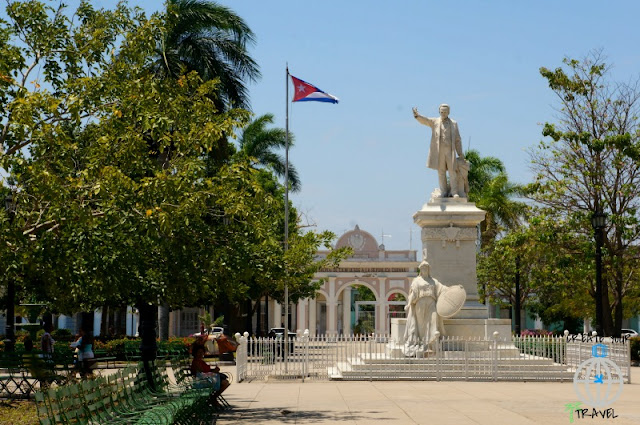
(451, 301)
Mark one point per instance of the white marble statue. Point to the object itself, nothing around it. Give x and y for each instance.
(445, 143)
(422, 318)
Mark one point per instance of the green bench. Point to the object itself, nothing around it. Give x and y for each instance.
(21, 373)
(102, 360)
(126, 397)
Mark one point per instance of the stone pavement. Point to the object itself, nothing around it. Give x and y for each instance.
(417, 402)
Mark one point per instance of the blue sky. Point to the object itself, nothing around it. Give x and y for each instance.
(362, 161)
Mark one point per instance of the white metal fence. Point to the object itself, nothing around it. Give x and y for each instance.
(377, 357)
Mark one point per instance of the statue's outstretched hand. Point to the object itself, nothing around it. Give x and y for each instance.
(415, 112)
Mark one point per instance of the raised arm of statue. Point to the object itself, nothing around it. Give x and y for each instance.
(421, 119)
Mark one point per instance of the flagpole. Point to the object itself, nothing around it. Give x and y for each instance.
(286, 225)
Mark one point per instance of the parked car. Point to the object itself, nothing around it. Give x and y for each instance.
(629, 332)
(278, 334)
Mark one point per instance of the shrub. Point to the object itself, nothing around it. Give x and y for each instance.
(177, 344)
(535, 332)
(635, 348)
(115, 348)
(21, 335)
(62, 335)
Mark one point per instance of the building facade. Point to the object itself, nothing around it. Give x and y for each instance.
(336, 308)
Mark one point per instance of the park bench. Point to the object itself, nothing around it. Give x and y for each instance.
(126, 397)
(22, 372)
(102, 360)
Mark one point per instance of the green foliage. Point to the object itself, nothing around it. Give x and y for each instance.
(635, 348)
(491, 190)
(591, 164)
(259, 143)
(124, 187)
(363, 327)
(210, 39)
(62, 335)
(363, 293)
(550, 260)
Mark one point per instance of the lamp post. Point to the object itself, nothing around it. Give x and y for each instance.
(599, 221)
(10, 334)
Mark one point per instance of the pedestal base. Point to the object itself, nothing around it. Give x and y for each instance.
(464, 328)
(478, 328)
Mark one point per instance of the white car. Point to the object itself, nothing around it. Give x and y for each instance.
(629, 332)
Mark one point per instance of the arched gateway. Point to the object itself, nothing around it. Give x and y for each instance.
(383, 272)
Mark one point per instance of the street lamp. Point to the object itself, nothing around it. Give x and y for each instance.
(9, 342)
(599, 221)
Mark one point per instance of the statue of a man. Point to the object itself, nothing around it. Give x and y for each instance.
(422, 317)
(445, 142)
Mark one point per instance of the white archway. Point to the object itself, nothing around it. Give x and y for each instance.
(349, 313)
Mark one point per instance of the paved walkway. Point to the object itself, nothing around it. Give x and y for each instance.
(417, 402)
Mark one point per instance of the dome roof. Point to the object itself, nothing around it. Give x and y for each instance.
(359, 240)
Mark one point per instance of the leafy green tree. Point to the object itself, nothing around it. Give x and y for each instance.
(116, 203)
(540, 255)
(258, 142)
(588, 164)
(210, 39)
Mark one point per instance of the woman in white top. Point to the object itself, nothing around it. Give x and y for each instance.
(84, 345)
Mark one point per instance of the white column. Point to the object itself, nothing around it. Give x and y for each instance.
(172, 324)
(136, 324)
(97, 321)
(129, 322)
(301, 318)
(346, 310)
(313, 319)
(277, 315)
(381, 310)
(332, 326)
(62, 321)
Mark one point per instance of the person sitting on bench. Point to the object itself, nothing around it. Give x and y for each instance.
(201, 369)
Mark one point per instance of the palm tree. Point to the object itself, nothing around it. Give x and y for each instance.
(482, 170)
(491, 190)
(259, 142)
(211, 39)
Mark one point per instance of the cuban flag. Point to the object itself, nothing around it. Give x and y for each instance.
(304, 91)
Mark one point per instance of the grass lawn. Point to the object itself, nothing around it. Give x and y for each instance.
(18, 412)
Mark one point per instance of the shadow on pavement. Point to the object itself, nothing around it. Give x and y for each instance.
(257, 415)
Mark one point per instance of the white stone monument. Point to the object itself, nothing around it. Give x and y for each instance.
(449, 224)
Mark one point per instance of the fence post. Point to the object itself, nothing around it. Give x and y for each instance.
(438, 377)
(628, 362)
(305, 364)
(370, 360)
(494, 359)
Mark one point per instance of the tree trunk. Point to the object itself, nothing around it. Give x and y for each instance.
(266, 314)
(163, 321)
(148, 345)
(86, 322)
(617, 312)
(104, 325)
(607, 325)
(259, 317)
(248, 325)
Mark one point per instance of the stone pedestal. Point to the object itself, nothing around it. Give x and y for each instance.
(449, 235)
(465, 328)
(449, 243)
